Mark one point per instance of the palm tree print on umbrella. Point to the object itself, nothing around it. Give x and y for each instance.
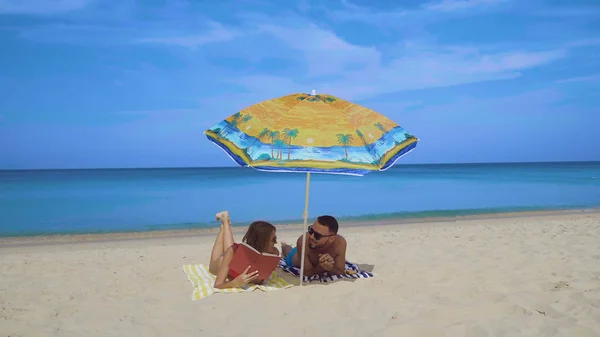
(236, 120)
(246, 119)
(345, 140)
(384, 130)
(273, 136)
(290, 134)
(366, 145)
(264, 133)
(279, 145)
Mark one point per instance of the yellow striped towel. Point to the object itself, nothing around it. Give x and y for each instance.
(202, 280)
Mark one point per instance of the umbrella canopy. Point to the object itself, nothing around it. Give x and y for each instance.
(311, 133)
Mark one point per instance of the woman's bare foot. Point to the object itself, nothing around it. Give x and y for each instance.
(222, 215)
(285, 249)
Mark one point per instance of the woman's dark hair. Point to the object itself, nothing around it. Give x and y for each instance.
(258, 235)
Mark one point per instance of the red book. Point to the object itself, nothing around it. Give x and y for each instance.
(246, 255)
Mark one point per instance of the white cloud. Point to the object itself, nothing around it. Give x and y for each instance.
(134, 32)
(512, 61)
(215, 33)
(574, 11)
(195, 117)
(401, 18)
(376, 18)
(585, 43)
(79, 34)
(455, 5)
(328, 63)
(580, 79)
(41, 7)
(324, 51)
(266, 84)
(361, 72)
(155, 112)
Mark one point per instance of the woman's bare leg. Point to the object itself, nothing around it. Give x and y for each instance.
(217, 253)
(227, 234)
(223, 241)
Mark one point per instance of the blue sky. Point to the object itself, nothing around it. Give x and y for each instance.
(98, 83)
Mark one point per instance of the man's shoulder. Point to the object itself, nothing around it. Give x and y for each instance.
(340, 243)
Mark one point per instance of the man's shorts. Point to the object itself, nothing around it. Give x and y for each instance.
(288, 258)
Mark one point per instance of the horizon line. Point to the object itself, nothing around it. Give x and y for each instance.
(247, 167)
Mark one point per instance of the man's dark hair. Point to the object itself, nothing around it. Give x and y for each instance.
(329, 222)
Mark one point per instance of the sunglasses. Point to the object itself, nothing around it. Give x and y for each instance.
(318, 236)
(275, 239)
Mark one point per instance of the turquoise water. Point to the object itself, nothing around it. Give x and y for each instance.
(92, 201)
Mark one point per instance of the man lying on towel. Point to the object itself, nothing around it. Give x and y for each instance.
(326, 250)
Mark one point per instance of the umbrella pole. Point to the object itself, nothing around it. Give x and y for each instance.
(305, 215)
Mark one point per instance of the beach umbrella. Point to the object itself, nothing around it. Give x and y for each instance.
(311, 133)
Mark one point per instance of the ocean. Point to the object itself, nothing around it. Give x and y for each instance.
(44, 202)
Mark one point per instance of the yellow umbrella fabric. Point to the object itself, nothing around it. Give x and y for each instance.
(311, 133)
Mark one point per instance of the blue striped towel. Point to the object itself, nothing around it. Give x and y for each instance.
(352, 271)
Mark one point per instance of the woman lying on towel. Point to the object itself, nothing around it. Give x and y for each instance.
(261, 236)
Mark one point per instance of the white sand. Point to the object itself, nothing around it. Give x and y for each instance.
(524, 276)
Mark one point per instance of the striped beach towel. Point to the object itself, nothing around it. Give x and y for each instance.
(202, 281)
(352, 271)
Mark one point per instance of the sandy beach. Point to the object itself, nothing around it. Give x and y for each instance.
(534, 275)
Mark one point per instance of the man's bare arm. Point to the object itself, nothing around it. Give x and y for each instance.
(339, 265)
(309, 269)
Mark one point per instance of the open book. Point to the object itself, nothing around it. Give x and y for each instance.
(246, 255)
